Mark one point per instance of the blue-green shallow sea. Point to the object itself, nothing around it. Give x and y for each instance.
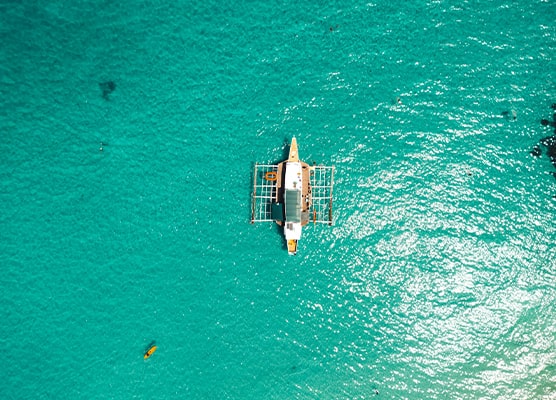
(437, 280)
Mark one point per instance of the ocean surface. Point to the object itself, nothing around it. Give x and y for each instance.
(129, 134)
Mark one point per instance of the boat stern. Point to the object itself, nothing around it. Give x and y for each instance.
(292, 247)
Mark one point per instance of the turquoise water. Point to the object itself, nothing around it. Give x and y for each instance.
(436, 280)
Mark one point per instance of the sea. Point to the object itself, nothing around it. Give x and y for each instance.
(129, 135)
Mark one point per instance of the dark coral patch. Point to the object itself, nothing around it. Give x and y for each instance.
(548, 142)
(107, 88)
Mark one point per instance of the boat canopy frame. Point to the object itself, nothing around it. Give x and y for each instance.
(265, 193)
(322, 183)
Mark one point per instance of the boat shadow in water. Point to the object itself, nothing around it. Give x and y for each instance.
(285, 152)
(150, 346)
(280, 231)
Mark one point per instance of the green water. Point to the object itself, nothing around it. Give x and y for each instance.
(436, 280)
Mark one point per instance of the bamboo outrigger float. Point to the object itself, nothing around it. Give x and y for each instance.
(292, 194)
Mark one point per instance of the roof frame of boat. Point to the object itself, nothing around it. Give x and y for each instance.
(265, 193)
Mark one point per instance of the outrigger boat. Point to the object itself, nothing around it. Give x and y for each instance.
(292, 193)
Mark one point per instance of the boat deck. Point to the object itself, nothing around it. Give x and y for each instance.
(316, 192)
(305, 191)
